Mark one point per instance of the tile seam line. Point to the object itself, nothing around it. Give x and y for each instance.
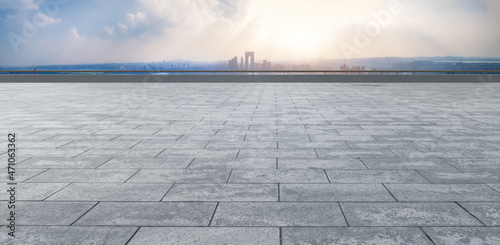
(213, 215)
(462, 207)
(133, 235)
(427, 235)
(84, 214)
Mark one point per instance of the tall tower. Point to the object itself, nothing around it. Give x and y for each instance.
(250, 55)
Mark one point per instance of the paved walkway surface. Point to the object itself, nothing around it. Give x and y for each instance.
(253, 163)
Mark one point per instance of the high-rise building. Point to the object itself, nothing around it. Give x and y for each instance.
(233, 63)
(250, 55)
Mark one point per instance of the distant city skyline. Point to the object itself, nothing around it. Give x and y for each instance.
(50, 32)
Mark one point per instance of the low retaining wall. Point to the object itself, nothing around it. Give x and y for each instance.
(249, 78)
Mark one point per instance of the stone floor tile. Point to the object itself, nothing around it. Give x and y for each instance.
(354, 235)
(149, 214)
(83, 175)
(21, 175)
(464, 235)
(111, 192)
(443, 192)
(47, 213)
(99, 152)
(334, 192)
(278, 176)
(461, 176)
(33, 191)
(223, 192)
(277, 153)
(278, 214)
(181, 176)
(487, 212)
(474, 164)
(407, 214)
(406, 164)
(62, 162)
(144, 163)
(68, 235)
(374, 176)
(233, 163)
(316, 163)
(207, 235)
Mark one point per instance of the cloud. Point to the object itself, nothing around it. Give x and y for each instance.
(123, 28)
(43, 20)
(110, 30)
(137, 20)
(75, 33)
(18, 4)
(152, 30)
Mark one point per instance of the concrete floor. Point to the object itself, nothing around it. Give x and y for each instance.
(253, 163)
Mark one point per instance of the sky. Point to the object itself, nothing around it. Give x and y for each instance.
(50, 32)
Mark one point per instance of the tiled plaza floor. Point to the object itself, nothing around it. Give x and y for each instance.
(253, 163)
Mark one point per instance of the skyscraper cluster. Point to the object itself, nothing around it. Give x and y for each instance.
(248, 63)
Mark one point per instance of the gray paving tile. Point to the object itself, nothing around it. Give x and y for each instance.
(47, 213)
(149, 214)
(443, 192)
(181, 176)
(21, 175)
(115, 144)
(233, 163)
(242, 144)
(354, 235)
(223, 192)
(83, 175)
(274, 153)
(316, 163)
(150, 144)
(474, 164)
(278, 176)
(33, 191)
(329, 153)
(207, 235)
(62, 163)
(487, 212)
(461, 177)
(334, 192)
(333, 145)
(99, 152)
(374, 176)
(143, 163)
(278, 214)
(462, 235)
(406, 164)
(407, 214)
(68, 235)
(51, 153)
(495, 186)
(111, 192)
(209, 153)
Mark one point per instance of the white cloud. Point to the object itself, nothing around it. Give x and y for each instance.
(110, 29)
(43, 20)
(122, 27)
(130, 17)
(18, 4)
(75, 33)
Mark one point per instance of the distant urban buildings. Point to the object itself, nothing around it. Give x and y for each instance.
(353, 68)
(248, 63)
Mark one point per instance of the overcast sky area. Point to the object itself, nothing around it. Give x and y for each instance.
(43, 32)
